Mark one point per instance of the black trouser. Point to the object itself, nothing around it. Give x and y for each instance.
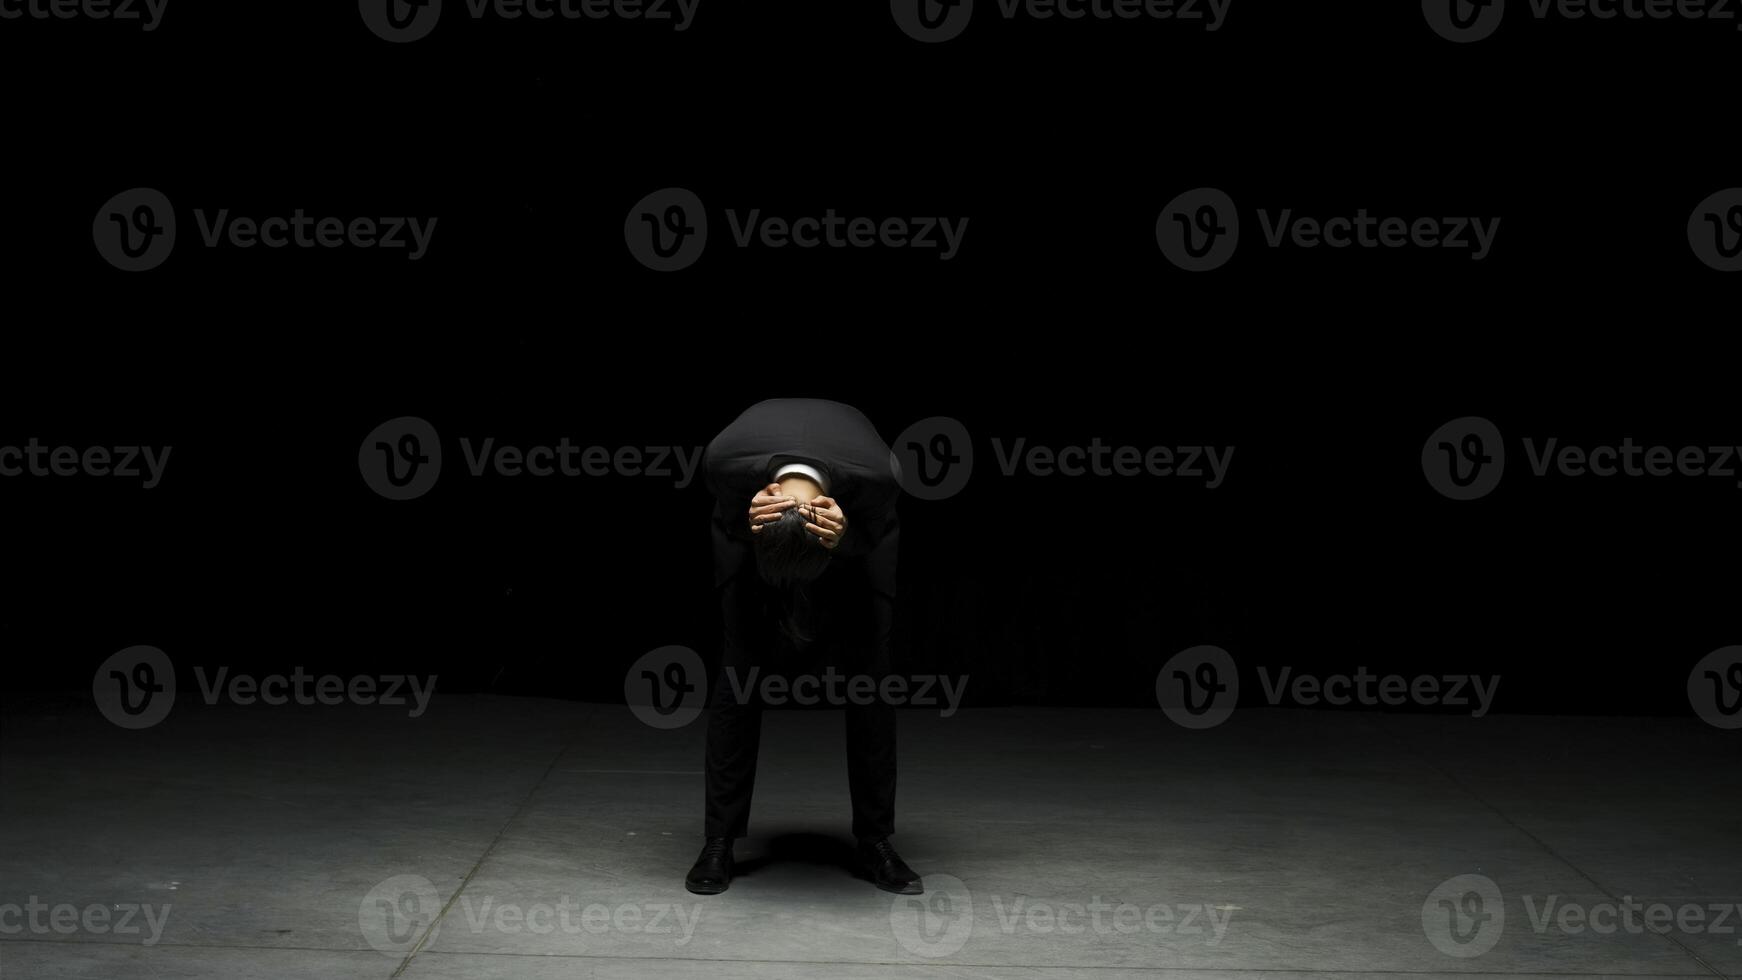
(851, 625)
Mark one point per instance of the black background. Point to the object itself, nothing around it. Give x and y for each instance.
(1060, 321)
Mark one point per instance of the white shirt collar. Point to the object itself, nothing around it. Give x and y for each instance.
(802, 470)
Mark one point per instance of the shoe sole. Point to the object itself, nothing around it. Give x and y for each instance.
(912, 888)
(705, 889)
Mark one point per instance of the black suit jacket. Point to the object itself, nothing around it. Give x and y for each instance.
(836, 439)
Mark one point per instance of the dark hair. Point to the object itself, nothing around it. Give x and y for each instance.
(789, 558)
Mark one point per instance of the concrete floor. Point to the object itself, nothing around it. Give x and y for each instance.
(350, 842)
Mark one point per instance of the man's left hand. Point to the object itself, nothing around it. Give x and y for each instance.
(825, 519)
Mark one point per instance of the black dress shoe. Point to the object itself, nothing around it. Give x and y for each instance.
(712, 872)
(886, 869)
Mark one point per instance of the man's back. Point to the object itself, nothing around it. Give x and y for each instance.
(834, 437)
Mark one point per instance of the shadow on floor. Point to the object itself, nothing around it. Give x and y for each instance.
(819, 850)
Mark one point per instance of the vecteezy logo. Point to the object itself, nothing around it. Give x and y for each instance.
(931, 20)
(400, 21)
(135, 230)
(666, 687)
(1463, 21)
(667, 230)
(1715, 230)
(1199, 230)
(1465, 458)
(395, 913)
(1715, 687)
(937, 923)
(135, 688)
(1464, 916)
(401, 458)
(1198, 687)
(933, 458)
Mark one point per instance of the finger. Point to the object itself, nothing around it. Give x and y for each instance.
(822, 532)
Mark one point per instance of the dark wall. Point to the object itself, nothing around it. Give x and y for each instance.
(1059, 321)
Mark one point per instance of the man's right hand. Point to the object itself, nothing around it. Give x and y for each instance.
(767, 506)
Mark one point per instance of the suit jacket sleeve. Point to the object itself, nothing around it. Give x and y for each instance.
(733, 477)
(873, 524)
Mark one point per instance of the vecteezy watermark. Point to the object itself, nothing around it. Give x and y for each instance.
(1200, 230)
(570, 918)
(1465, 459)
(148, 14)
(1549, 913)
(401, 459)
(940, 922)
(1715, 687)
(932, 21)
(135, 688)
(387, 690)
(933, 458)
(1199, 688)
(136, 230)
(1465, 916)
(666, 687)
(677, 463)
(1473, 691)
(38, 918)
(1630, 459)
(1715, 230)
(668, 229)
(837, 689)
(1206, 463)
(1463, 234)
(401, 21)
(114, 462)
(1465, 21)
(396, 914)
